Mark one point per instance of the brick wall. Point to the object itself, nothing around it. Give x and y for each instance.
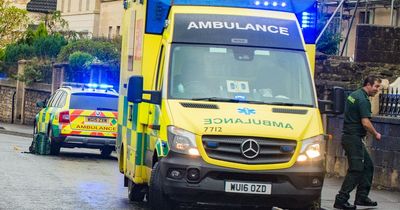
(7, 90)
(33, 94)
(377, 44)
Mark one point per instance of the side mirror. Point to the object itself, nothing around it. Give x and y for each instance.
(338, 100)
(334, 106)
(135, 92)
(135, 89)
(41, 104)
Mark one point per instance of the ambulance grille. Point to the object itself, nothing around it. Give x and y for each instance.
(228, 148)
(289, 111)
(199, 106)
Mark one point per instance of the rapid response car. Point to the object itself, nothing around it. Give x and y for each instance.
(79, 115)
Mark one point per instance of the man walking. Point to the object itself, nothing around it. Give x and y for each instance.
(355, 127)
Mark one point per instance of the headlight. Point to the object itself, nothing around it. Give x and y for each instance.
(311, 148)
(182, 141)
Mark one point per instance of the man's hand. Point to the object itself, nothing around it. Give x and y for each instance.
(378, 136)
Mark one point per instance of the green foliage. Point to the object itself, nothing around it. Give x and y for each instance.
(80, 60)
(102, 50)
(41, 31)
(55, 22)
(49, 46)
(13, 22)
(329, 43)
(36, 71)
(16, 52)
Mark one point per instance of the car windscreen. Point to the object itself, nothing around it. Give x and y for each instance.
(93, 101)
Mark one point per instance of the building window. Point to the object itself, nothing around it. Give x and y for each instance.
(367, 17)
(69, 6)
(109, 32)
(87, 4)
(80, 5)
(118, 30)
(62, 5)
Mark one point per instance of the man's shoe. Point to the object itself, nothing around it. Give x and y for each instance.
(365, 202)
(345, 205)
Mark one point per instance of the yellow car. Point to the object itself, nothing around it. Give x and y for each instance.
(79, 115)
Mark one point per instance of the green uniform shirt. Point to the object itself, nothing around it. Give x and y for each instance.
(357, 106)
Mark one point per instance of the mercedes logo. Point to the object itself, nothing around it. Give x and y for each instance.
(250, 148)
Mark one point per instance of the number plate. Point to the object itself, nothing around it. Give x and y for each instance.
(96, 120)
(249, 188)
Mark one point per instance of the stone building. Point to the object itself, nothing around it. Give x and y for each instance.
(96, 18)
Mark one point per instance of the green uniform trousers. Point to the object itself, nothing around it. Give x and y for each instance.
(361, 169)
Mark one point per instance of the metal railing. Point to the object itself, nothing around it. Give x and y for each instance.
(389, 102)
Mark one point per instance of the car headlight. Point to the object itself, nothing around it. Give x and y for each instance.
(312, 148)
(182, 141)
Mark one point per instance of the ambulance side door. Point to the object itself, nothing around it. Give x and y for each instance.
(46, 113)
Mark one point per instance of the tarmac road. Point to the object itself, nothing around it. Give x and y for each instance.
(82, 179)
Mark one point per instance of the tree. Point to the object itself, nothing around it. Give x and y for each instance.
(13, 23)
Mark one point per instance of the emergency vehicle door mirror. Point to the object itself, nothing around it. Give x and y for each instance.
(335, 105)
(41, 104)
(135, 89)
(338, 100)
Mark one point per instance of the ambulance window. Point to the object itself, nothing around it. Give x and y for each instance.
(62, 100)
(54, 98)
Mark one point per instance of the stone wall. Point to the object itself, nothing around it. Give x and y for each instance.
(340, 71)
(7, 90)
(379, 44)
(385, 153)
(33, 94)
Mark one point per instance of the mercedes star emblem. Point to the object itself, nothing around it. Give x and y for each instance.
(250, 148)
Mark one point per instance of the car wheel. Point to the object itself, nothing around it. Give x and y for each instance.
(106, 151)
(54, 146)
(135, 191)
(157, 198)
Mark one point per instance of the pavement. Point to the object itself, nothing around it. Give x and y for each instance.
(387, 200)
(16, 129)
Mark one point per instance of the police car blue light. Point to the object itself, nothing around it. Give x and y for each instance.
(92, 85)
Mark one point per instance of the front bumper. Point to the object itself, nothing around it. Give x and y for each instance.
(87, 142)
(292, 187)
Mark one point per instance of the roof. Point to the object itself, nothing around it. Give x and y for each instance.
(74, 90)
(42, 6)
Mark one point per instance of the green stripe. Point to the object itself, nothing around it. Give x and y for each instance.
(119, 135)
(135, 116)
(56, 131)
(124, 119)
(129, 136)
(139, 151)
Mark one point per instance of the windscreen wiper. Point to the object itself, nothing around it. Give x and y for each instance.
(218, 99)
(289, 104)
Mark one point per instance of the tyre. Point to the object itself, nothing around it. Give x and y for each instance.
(135, 191)
(106, 151)
(35, 131)
(314, 205)
(54, 146)
(157, 198)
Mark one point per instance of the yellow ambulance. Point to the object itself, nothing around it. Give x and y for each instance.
(217, 104)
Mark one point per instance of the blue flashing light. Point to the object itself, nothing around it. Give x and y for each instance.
(283, 4)
(274, 3)
(257, 3)
(266, 3)
(92, 85)
(308, 22)
(105, 86)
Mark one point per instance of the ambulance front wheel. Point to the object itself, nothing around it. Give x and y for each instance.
(136, 192)
(54, 146)
(158, 200)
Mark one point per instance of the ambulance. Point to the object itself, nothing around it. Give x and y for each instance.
(217, 104)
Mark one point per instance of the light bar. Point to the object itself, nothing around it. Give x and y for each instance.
(157, 10)
(99, 86)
